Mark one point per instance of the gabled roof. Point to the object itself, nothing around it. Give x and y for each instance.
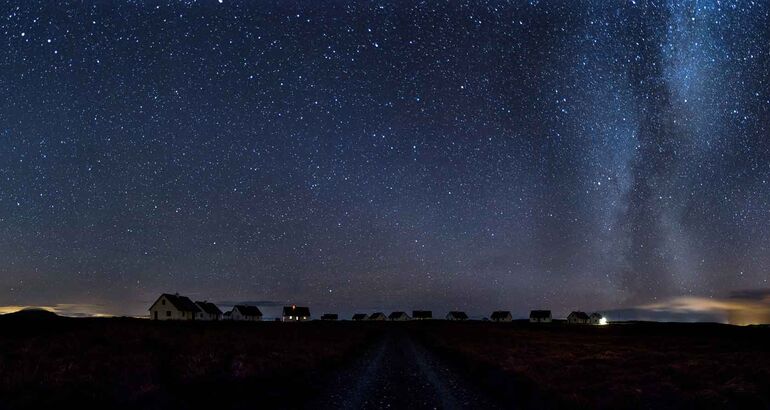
(329, 316)
(248, 310)
(597, 314)
(422, 314)
(540, 314)
(396, 315)
(181, 303)
(579, 315)
(376, 315)
(209, 308)
(296, 311)
(359, 316)
(458, 315)
(500, 314)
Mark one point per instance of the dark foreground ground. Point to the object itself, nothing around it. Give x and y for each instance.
(127, 363)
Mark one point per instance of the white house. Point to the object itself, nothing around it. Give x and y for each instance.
(173, 307)
(501, 316)
(540, 316)
(597, 319)
(208, 311)
(246, 313)
(578, 318)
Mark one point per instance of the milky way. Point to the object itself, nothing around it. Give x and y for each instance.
(377, 155)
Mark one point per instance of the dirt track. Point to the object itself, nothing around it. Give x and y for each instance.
(398, 373)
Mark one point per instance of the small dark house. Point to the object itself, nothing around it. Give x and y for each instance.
(501, 316)
(296, 313)
(456, 315)
(359, 316)
(422, 314)
(578, 318)
(398, 316)
(246, 313)
(377, 316)
(208, 311)
(540, 316)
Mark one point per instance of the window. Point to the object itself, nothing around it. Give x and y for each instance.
(168, 313)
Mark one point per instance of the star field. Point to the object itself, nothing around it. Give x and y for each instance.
(375, 155)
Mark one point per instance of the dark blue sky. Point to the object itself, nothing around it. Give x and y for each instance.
(381, 155)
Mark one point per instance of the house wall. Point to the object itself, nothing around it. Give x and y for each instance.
(295, 318)
(236, 315)
(166, 311)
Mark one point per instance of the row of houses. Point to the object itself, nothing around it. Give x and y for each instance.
(177, 307)
(535, 316)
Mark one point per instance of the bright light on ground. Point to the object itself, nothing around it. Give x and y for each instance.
(603, 321)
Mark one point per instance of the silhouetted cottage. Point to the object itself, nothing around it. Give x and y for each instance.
(227, 315)
(173, 307)
(578, 318)
(398, 316)
(377, 316)
(329, 316)
(501, 316)
(295, 313)
(246, 313)
(597, 319)
(208, 311)
(456, 315)
(422, 314)
(359, 316)
(540, 316)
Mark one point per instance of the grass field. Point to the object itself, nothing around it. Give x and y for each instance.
(131, 363)
(631, 366)
(135, 363)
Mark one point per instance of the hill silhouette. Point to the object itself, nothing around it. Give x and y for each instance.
(30, 314)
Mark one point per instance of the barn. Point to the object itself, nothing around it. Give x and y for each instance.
(173, 307)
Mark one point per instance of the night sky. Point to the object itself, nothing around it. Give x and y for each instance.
(353, 156)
